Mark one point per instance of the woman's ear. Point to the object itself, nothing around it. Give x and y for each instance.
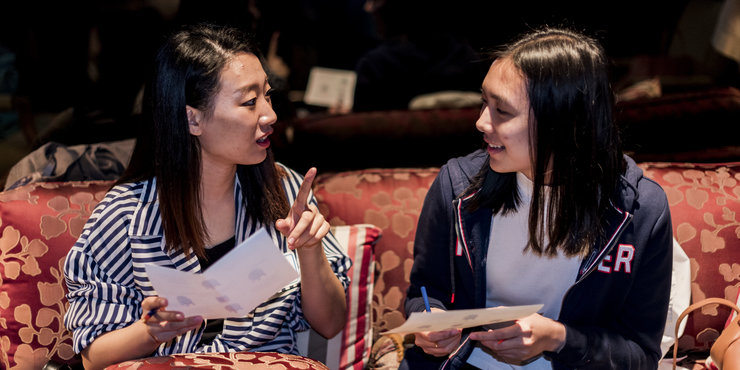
(194, 118)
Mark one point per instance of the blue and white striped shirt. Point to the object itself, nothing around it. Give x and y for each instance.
(105, 274)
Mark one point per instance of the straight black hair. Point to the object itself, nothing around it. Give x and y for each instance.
(187, 71)
(575, 146)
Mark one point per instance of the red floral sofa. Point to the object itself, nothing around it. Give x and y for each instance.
(705, 210)
(40, 221)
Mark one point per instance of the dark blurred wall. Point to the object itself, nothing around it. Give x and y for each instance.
(59, 66)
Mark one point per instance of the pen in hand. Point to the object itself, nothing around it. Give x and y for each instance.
(149, 314)
(426, 299)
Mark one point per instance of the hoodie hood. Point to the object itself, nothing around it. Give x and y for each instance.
(627, 194)
(462, 170)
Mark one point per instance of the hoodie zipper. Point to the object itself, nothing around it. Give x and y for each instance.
(454, 353)
(461, 245)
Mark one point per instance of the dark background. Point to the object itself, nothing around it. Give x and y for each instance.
(57, 69)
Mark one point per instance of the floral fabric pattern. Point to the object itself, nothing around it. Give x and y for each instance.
(705, 213)
(223, 361)
(39, 222)
(390, 199)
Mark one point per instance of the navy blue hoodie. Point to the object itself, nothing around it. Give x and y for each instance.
(615, 311)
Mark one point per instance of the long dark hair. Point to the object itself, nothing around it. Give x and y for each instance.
(575, 144)
(187, 71)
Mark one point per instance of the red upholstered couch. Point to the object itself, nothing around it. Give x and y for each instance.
(705, 209)
(684, 141)
(39, 222)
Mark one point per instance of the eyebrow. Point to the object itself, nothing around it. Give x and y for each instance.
(254, 86)
(497, 98)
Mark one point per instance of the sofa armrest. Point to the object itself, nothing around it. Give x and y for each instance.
(238, 360)
(39, 223)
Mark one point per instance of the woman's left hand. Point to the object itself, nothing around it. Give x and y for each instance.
(524, 340)
(304, 226)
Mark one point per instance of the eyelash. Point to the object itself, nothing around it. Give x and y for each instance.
(484, 103)
(251, 102)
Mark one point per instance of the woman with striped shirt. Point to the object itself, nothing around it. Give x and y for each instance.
(201, 180)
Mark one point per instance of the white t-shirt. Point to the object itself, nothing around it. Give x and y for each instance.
(519, 277)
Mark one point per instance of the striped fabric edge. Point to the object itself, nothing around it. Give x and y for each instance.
(356, 343)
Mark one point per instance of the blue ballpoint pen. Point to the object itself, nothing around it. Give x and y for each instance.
(426, 299)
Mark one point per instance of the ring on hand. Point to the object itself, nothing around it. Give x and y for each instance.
(435, 345)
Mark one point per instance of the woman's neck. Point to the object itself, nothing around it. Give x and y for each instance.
(216, 183)
(217, 202)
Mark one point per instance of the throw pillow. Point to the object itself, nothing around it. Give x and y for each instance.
(350, 349)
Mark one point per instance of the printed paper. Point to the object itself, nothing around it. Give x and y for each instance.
(231, 287)
(445, 320)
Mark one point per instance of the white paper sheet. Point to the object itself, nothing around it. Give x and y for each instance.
(445, 320)
(330, 87)
(233, 286)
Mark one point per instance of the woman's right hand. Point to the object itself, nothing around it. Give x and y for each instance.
(165, 325)
(439, 343)
(139, 339)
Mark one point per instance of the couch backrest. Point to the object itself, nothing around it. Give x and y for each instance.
(705, 212)
(705, 209)
(390, 199)
(39, 223)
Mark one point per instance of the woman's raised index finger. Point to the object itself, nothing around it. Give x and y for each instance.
(302, 197)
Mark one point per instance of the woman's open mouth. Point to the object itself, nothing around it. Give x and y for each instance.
(264, 142)
(493, 149)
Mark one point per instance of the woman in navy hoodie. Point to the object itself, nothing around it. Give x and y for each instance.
(551, 212)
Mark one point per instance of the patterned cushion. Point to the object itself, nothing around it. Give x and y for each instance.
(350, 349)
(217, 361)
(38, 224)
(390, 199)
(705, 213)
(357, 333)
